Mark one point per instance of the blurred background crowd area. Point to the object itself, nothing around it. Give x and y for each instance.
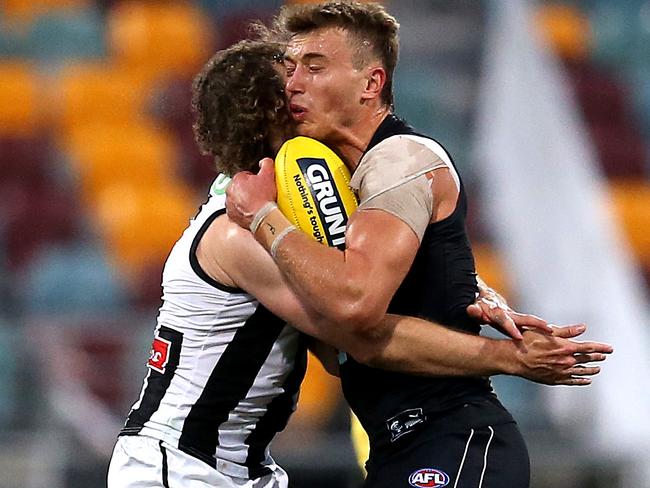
(99, 175)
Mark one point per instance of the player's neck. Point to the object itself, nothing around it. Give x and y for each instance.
(355, 139)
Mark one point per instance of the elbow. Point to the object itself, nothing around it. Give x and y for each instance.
(358, 317)
(361, 318)
(368, 332)
(355, 306)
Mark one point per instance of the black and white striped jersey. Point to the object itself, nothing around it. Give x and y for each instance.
(224, 372)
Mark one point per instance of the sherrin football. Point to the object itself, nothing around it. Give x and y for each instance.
(314, 189)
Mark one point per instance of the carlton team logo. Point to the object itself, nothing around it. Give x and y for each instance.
(159, 354)
(429, 478)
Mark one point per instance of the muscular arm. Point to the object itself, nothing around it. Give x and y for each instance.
(550, 359)
(229, 253)
(354, 286)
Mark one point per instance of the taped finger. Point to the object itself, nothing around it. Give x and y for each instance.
(575, 382)
(589, 358)
(580, 371)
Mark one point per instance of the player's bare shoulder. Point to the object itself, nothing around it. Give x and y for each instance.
(215, 251)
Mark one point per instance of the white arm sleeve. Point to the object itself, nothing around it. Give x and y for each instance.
(395, 176)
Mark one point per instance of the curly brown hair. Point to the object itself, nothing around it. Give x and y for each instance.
(369, 23)
(239, 105)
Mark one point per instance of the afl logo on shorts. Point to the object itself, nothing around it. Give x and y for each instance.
(429, 478)
(159, 354)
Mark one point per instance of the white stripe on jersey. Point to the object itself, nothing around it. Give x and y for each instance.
(209, 318)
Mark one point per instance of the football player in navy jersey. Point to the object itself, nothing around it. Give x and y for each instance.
(406, 253)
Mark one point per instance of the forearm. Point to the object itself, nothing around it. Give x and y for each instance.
(411, 345)
(328, 287)
(419, 347)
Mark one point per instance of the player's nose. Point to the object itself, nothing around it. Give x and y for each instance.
(295, 82)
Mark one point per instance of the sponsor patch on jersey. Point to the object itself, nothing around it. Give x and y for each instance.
(429, 478)
(159, 354)
(404, 422)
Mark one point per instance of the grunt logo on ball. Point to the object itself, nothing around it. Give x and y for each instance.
(327, 199)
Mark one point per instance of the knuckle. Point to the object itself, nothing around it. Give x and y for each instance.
(570, 349)
(567, 362)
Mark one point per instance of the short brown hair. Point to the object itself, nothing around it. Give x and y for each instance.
(365, 21)
(237, 99)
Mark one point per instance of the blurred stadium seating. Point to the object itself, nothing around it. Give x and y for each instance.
(604, 48)
(99, 174)
(20, 112)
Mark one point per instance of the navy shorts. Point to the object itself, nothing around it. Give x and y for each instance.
(458, 450)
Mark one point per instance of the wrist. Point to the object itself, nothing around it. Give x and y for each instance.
(505, 357)
(260, 215)
(271, 230)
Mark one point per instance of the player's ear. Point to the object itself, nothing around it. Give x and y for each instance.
(375, 81)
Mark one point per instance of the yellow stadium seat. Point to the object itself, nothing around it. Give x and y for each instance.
(140, 223)
(98, 93)
(490, 268)
(161, 37)
(631, 203)
(20, 111)
(106, 154)
(319, 395)
(26, 10)
(58, 4)
(565, 28)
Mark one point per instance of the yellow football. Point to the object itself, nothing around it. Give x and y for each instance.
(314, 189)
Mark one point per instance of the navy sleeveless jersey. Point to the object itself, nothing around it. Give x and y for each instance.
(439, 286)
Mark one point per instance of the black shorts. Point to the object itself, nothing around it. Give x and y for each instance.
(458, 450)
